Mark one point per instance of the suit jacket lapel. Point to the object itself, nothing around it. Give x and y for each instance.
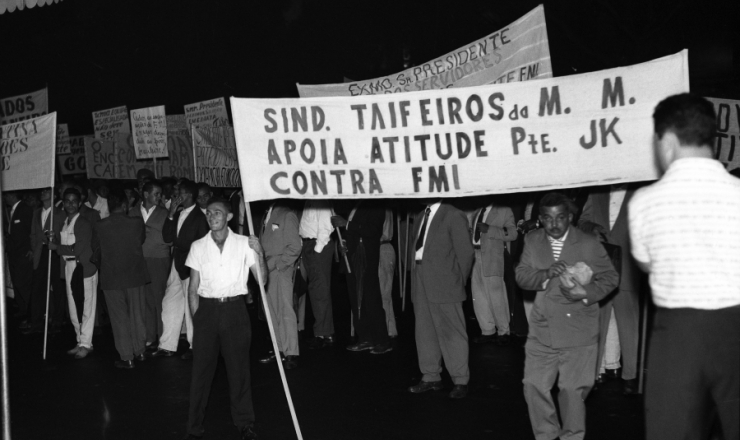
(567, 253)
(433, 226)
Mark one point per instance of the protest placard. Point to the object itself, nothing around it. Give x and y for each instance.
(176, 123)
(63, 144)
(580, 130)
(211, 113)
(110, 122)
(150, 132)
(216, 161)
(74, 161)
(728, 132)
(27, 151)
(22, 107)
(116, 158)
(518, 52)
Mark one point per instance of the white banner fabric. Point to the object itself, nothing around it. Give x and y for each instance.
(108, 123)
(23, 107)
(150, 132)
(728, 132)
(216, 161)
(580, 130)
(27, 150)
(518, 52)
(211, 113)
(74, 162)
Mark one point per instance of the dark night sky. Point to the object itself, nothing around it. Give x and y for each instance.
(96, 55)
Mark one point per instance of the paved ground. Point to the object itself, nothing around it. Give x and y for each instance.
(337, 394)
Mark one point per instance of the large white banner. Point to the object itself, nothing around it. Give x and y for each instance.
(73, 162)
(22, 107)
(580, 130)
(108, 123)
(216, 161)
(27, 150)
(518, 52)
(150, 132)
(211, 113)
(728, 132)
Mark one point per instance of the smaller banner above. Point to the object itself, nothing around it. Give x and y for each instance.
(27, 150)
(150, 132)
(74, 161)
(176, 123)
(110, 122)
(216, 159)
(22, 107)
(728, 132)
(63, 144)
(211, 113)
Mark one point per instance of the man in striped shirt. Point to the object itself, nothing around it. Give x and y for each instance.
(685, 234)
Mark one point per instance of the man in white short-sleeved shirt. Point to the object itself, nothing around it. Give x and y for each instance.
(219, 264)
(685, 232)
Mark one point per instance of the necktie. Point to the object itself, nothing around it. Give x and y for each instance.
(420, 240)
(477, 229)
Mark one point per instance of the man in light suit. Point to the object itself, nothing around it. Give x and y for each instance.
(157, 257)
(564, 324)
(443, 260)
(41, 228)
(18, 247)
(181, 229)
(282, 246)
(493, 227)
(605, 213)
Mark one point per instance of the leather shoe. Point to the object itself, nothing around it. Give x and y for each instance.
(125, 364)
(140, 357)
(248, 433)
(290, 362)
(382, 348)
(611, 373)
(600, 378)
(163, 353)
(361, 346)
(459, 391)
(270, 358)
(503, 340)
(630, 387)
(484, 339)
(74, 350)
(151, 348)
(82, 352)
(426, 386)
(187, 355)
(320, 342)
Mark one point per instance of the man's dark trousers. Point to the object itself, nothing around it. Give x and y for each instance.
(318, 267)
(225, 328)
(38, 292)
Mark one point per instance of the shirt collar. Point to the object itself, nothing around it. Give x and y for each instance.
(695, 163)
(15, 206)
(561, 239)
(186, 211)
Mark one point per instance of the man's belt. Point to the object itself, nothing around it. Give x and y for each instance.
(220, 300)
(386, 241)
(418, 262)
(308, 239)
(476, 246)
(70, 258)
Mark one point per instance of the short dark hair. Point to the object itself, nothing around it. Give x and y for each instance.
(555, 198)
(189, 187)
(226, 203)
(205, 186)
(116, 198)
(144, 172)
(150, 184)
(73, 191)
(690, 117)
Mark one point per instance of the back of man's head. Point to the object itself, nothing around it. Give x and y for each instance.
(189, 187)
(690, 117)
(117, 200)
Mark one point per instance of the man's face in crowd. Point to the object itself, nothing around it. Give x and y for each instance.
(72, 204)
(45, 194)
(217, 216)
(555, 220)
(153, 197)
(204, 196)
(63, 187)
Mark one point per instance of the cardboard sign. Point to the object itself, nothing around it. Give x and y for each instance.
(27, 151)
(211, 113)
(727, 144)
(108, 123)
(518, 52)
(63, 145)
(580, 130)
(216, 161)
(23, 107)
(74, 162)
(150, 132)
(176, 123)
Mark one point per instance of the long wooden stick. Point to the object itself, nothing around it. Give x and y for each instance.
(406, 261)
(4, 348)
(268, 317)
(48, 273)
(643, 338)
(398, 240)
(339, 234)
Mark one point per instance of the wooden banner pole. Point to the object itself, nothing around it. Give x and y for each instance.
(406, 260)
(48, 273)
(398, 240)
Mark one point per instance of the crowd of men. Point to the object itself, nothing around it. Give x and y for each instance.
(561, 269)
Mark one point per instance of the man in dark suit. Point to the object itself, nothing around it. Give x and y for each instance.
(443, 261)
(564, 324)
(74, 244)
(362, 231)
(18, 247)
(181, 229)
(156, 255)
(90, 214)
(42, 227)
(282, 246)
(117, 245)
(493, 227)
(605, 213)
